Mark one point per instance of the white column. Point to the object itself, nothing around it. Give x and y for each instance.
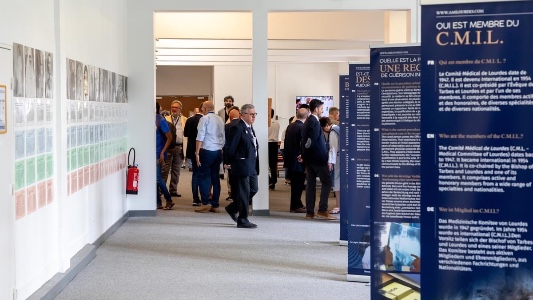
(398, 27)
(260, 101)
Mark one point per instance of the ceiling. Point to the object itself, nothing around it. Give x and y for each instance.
(225, 38)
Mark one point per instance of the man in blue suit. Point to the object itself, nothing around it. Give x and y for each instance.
(315, 158)
(241, 152)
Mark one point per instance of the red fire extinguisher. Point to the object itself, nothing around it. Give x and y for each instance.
(132, 176)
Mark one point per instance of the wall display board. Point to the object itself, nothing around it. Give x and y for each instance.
(359, 181)
(344, 103)
(477, 150)
(395, 172)
(33, 107)
(97, 117)
(3, 113)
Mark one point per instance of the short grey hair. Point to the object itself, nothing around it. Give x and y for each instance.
(246, 107)
(177, 101)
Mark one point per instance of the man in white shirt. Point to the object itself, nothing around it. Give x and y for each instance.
(209, 143)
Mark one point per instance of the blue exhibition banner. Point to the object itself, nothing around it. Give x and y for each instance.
(344, 105)
(395, 172)
(359, 185)
(477, 150)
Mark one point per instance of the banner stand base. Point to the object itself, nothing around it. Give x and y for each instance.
(357, 278)
(343, 243)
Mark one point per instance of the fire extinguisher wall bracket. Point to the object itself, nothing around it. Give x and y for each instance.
(132, 175)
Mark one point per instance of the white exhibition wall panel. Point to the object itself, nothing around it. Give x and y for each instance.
(7, 205)
(93, 128)
(320, 79)
(33, 219)
(232, 80)
(49, 226)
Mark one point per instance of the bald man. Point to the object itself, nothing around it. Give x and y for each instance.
(209, 143)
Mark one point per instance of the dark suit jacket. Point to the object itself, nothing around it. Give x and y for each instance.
(240, 151)
(191, 131)
(314, 150)
(293, 138)
(227, 128)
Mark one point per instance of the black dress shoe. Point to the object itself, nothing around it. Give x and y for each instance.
(175, 195)
(232, 215)
(246, 225)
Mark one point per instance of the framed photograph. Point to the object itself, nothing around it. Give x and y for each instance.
(3, 113)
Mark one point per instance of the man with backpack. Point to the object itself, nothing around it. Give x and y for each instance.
(174, 160)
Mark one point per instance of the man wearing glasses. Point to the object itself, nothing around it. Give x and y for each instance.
(174, 159)
(242, 156)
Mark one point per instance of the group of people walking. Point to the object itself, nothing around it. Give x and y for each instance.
(228, 138)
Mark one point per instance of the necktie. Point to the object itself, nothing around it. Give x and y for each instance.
(252, 135)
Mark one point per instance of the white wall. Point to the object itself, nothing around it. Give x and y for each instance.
(37, 246)
(232, 80)
(92, 32)
(7, 205)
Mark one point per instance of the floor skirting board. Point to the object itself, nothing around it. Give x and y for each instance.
(81, 259)
(55, 285)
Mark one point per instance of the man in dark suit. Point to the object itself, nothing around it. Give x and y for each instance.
(315, 158)
(234, 118)
(241, 151)
(191, 131)
(293, 138)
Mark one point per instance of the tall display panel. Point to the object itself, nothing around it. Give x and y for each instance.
(477, 150)
(344, 105)
(358, 217)
(395, 172)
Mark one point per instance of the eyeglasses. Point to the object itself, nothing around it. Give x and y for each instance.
(251, 114)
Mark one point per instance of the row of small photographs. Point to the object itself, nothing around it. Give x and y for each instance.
(30, 112)
(90, 83)
(33, 169)
(93, 134)
(89, 175)
(83, 156)
(33, 198)
(33, 72)
(81, 111)
(33, 141)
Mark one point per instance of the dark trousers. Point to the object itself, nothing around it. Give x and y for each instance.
(297, 187)
(273, 162)
(324, 175)
(208, 175)
(194, 182)
(243, 190)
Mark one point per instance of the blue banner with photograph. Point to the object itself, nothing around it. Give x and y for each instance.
(359, 184)
(344, 105)
(395, 172)
(477, 150)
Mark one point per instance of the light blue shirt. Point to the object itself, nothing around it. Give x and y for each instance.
(211, 132)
